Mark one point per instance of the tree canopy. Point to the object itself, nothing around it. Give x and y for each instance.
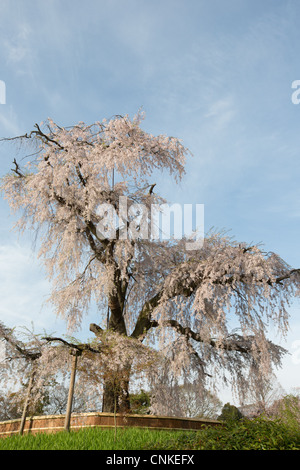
(159, 294)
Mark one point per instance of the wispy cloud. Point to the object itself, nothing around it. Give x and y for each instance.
(221, 113)
(9, 125)
(23, 289)
(18, 48)
(216, 74)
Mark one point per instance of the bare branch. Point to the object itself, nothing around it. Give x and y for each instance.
(17, 169)
(48, 139)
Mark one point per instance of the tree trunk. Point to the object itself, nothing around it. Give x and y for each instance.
(116, 396)
(116, 386)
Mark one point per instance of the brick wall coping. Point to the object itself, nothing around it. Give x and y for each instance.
(54, 423)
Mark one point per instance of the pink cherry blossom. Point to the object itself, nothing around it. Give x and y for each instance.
(206, 311)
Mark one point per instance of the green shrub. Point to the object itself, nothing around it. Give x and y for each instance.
(289, 411)
(140, 402)
(257, 434)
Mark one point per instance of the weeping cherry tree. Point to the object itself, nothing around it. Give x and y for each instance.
(206, 310)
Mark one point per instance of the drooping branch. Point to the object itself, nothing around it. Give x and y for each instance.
(279, 279)
(240, 343)
(18, 346)
(145, 322)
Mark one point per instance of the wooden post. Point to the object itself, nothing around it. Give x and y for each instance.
(75, 354)
(23, 419)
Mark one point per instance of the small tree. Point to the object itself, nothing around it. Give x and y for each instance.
(288, 409)
(230, 413)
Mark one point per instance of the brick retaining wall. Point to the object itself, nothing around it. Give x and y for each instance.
(54, 423)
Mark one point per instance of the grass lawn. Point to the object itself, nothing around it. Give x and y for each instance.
(260, 434)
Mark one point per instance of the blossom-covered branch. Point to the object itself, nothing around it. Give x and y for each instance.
(17, 348)
(77, 347)
(149, 292)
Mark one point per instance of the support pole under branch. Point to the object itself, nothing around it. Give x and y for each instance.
(25, 408)
(75, 354)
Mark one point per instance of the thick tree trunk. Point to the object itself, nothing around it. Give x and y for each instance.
(116, 396)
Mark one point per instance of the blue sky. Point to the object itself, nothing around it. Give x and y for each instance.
(216, 74)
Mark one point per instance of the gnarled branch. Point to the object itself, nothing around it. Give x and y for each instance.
(78, 347)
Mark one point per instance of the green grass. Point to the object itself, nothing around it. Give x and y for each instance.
(89, 439)
(259, 434)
